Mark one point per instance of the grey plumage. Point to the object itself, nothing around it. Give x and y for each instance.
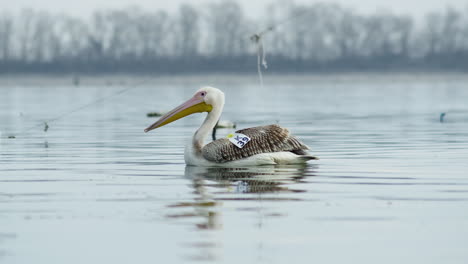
(264, 139)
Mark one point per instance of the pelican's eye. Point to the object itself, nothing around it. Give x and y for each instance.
(203, 93)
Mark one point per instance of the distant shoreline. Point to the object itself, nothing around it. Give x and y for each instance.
(119, 80)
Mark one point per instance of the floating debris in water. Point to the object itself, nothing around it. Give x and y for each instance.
(154, 114)
(225, 124)
(46, 126)
(195, 204)
(441, 118)
(222, 124)
(183, 215)
(11, 137)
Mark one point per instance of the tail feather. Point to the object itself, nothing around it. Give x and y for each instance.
(308, 157)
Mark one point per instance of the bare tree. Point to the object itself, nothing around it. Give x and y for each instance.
(229, 35)
(433, 33)
(295, 36)
(40, 34)
(451, 31)
(346, 30)
(404, 28)
(189, 30)
(154, 34)
(6, 28)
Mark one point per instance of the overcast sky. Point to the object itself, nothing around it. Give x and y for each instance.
(252, 7)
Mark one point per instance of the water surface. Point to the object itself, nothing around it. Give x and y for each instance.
(391, 184)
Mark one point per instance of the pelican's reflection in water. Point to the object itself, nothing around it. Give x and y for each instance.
(264, 179)
(213, 185)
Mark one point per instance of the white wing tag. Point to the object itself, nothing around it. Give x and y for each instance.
(238, 139)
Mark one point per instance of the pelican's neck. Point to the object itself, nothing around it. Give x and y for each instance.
(207, 126)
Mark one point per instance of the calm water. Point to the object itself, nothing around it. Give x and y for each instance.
(391, 185)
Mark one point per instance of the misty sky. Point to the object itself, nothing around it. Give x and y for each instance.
(253, 7)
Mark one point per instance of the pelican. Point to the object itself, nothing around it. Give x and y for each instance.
(266, 145)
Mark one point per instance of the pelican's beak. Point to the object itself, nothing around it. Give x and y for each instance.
(196, 104)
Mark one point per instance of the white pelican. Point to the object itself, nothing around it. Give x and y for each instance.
(267, 145)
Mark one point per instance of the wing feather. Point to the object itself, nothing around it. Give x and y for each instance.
(264, 139)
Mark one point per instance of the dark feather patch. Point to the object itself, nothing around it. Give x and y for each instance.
(264, 139)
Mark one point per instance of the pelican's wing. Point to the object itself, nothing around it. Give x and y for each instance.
(263, 139)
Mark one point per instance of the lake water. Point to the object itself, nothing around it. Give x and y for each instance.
(391, 185)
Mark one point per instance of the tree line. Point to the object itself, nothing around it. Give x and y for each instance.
(217, 37)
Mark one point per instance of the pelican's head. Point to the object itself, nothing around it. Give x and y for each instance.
(205, 100)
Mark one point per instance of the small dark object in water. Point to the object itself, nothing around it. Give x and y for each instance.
(196, 204)
(76, 80)
(441, 119)
(11, 137)
(46, 126)
(153, 114)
